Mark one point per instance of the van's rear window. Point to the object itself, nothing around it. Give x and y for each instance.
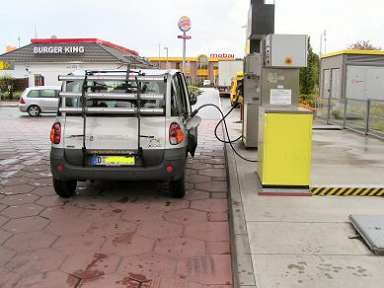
(147, 88)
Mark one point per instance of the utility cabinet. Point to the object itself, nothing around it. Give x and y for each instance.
(285, 147)
(288, 51)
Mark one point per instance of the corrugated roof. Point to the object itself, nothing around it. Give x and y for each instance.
(354, 52)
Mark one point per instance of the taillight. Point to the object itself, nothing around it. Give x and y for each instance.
(55, 135)
(22, 101)
(176, 134)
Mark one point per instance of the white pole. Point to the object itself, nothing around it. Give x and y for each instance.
(184, 49)
(166, 49)
(159, 53)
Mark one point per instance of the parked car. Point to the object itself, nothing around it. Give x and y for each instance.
(40, 99)
(114, 126)
(207, 83)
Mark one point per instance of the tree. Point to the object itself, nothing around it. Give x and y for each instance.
(309, 76)
(363, 45)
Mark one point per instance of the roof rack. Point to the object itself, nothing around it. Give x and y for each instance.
(112, 75)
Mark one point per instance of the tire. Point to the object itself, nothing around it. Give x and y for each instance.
(65, 189)
(34, 111)
(177, 188)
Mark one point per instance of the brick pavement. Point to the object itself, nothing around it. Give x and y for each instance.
(111, 234)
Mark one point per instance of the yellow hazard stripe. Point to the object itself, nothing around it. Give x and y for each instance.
(347, 191)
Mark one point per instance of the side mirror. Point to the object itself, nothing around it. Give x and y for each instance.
(192, 99)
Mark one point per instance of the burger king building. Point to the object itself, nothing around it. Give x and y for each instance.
(41, 61)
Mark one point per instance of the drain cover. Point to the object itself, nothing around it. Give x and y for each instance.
(371, 229)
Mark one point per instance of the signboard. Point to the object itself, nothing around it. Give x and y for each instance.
(5, 65)
(281, 97)
(223, 55)
(184, 24)
(58, 50)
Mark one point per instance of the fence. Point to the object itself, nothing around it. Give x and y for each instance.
(364, 116)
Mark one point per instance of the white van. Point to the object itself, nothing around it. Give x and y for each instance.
(118, 125)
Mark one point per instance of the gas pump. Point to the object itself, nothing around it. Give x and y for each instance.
(271, 69)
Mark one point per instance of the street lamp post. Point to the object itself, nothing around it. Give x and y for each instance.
(166, 63)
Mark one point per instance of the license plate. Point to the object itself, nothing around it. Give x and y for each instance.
(98, 160)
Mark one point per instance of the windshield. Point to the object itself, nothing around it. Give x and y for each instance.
(148, 88)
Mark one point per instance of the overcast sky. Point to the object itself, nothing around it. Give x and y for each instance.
(216, 24)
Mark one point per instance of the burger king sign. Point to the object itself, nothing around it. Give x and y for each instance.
(184, 24)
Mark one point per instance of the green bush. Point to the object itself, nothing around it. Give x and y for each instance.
(6, 87)
(194, 90)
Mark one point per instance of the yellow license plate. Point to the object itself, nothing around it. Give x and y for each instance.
(98, 160)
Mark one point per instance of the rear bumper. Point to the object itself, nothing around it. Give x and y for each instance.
(23, 107)
(175, 157)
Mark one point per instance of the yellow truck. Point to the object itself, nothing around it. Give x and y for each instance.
(237, 89)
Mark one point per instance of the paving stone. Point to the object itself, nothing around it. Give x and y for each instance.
(50, 201)
(88, 265)
(6, 255)
(8, 279)
(160, 230)
(44, 190)
(218, 248)
(214, 172)
(19, 199)
(122, 281)
(3, 219)
(215, 161)
(196, 195)
(194, 179)
(210, 205)
(186, 216)
(223, 195)
(61, 213)
(218, 216)
(211, 231)
(128, 244)
(29, 224)
(198, 166)
(214, 269)
(73, 243)
(180, 247)
(17, 189)
(2, 206)
(168, 205)
(149, 265)
(45, 280)
(20, 211)
(214, 186)
(68, 225)
(38, 261)
(22, 242)
(15, 181)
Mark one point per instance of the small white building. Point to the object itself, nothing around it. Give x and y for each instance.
(44, 59)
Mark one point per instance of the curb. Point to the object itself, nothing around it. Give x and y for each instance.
(242, 266)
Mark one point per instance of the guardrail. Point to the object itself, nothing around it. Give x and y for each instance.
(364, 116)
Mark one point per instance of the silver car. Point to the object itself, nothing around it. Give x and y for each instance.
(40, 99)
(115, 125)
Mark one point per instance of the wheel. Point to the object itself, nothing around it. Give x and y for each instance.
(34, 111)
(177, 188)
(65, 189)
